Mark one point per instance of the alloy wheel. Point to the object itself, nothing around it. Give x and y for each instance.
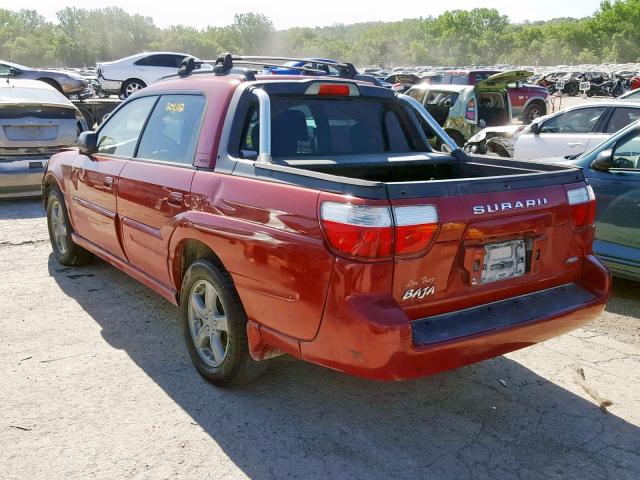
(208, 323)
(58, 227)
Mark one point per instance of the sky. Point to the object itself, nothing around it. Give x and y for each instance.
(310, 13)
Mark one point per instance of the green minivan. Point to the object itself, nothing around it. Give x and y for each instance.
(464, 110)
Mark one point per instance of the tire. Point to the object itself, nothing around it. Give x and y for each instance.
(616, 92)
(214, 326)
(130, 87)
(66, 251)
(533, 111)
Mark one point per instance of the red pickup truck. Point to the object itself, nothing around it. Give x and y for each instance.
(309, 216)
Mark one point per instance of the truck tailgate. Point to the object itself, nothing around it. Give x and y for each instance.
(491, 246)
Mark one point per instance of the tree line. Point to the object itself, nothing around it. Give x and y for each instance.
(81, 37)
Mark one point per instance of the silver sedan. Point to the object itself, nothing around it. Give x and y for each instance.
(68, 83)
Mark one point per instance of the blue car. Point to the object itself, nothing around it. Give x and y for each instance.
(613, 170)
(322, 66)
(310, 63)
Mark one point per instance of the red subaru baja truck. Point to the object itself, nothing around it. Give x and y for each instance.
(309, 216)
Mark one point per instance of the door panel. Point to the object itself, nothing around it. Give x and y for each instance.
(93, 200)
(94, 179)
(155, 188)
(150, 197)
(531, 147)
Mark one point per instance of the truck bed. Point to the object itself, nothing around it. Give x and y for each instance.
(416, 175)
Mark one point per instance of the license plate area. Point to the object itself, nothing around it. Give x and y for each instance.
(504, 260)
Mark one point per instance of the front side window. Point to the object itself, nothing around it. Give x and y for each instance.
(627, 153)
(120, 133)
(172, 131)
(575, 121)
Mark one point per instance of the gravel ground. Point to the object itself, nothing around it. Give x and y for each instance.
(96, 383)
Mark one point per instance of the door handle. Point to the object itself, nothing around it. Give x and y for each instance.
(175, 199)
(575, 144)
(108, 181)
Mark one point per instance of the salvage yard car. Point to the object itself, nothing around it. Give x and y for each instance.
(36, 121)
(465, 110)
(68, 83)
(127, 75)
(613, 170)
(570, 131)
(528, 102)
(309, 216)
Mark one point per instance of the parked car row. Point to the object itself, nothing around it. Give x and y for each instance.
(590, 83)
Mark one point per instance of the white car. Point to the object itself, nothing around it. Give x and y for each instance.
(569, 132)
(128, 75)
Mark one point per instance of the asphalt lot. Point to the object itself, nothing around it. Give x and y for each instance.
(96, 383)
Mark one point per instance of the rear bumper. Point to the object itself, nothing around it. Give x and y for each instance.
(111, 86)
(374, 339)
(18, 180)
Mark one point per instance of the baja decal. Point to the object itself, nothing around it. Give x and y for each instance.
(419, 292)
(174, 107)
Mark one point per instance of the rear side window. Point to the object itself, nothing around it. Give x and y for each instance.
(119, 135)
(312, 126)
(172, 131)
(622, 117)
(161, 60)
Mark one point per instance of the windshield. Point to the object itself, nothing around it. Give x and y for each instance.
(312, 126)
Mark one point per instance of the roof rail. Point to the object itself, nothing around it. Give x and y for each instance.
(226, 63)
(222, 66)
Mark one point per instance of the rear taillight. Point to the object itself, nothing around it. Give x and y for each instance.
(470, 112)
(370, 232)
(583, 206)
(416, 226)
(360, 231)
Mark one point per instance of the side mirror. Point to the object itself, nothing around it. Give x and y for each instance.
(604, 161)
(535, 128)
(88, 143)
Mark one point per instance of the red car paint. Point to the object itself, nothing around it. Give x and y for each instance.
(299, 296)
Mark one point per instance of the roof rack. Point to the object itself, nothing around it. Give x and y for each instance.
(225, 65)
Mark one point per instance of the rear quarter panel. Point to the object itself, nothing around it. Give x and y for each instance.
(268, 237)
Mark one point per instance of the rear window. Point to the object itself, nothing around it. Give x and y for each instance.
(331, 126)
